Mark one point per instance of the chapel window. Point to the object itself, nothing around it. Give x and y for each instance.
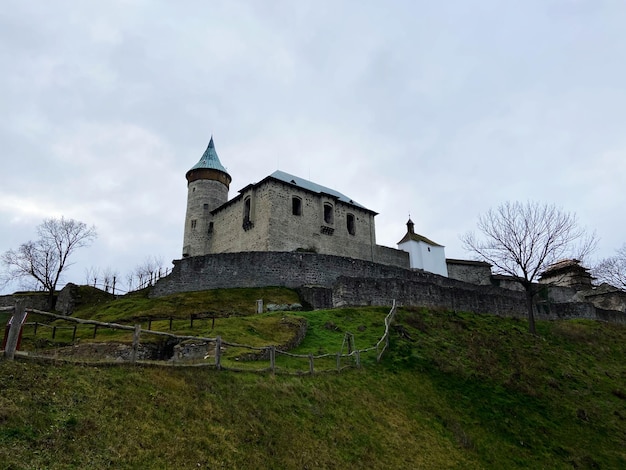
(296, 205)
(328, 213)
(247, 222)
(350, 224)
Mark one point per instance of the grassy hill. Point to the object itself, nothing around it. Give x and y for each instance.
(455, 390)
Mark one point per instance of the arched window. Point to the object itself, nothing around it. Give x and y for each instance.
(296, 205)
(350, 224)
(328, 213)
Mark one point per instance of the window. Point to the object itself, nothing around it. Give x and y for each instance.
(328, 213)
(350, 224)
(246, 209)
(210, 227)
(247, 222)
(194, 222)
(206, 207)
(296, 205)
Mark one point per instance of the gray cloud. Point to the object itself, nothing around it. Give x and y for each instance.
(438, 109)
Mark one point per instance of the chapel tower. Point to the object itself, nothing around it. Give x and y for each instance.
(207, 189)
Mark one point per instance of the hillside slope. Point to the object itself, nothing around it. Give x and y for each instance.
(454, 391)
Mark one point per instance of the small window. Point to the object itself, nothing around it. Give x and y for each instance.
(247, 222)
(210, 227)
(246, 209)
(296, 206)
(328, 214)
(194, 222)
(206, 207)
(350, 224)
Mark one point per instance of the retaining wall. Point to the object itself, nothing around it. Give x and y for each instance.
(326, 281)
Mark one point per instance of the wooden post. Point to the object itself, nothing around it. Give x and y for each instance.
(74, 334)
(273, 358)
(259, 306)
(218, 352)
(150, 323)
(170, 323)
(136, 334)
(14, 332)
(191, 320)
(35, 332)
(95, 331)
(357, 355)
(311, 363)
(54, 332)
(338, 362)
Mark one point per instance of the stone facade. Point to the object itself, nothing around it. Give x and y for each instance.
(203, 195)
(278, 216)
(474, 272)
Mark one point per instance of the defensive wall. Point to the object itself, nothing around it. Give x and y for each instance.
(326, 281)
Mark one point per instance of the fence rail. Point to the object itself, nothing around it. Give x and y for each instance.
(16, 323)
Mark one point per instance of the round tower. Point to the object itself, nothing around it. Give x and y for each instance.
(207, 189)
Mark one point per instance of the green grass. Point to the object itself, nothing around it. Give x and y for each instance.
(220, 302)
(454, 390)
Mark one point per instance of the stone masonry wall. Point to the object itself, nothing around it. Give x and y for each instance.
(330, 281)
(261, 269)
(274, 227)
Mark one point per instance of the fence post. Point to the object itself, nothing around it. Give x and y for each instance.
(259, 306)
(357, 355)
(338, 362)
(136, 334)
(170, 323)
(74, 334)
(95, 331)
(35, 332)
(54, 332)
(14, 332)
(218, 352)
(273, 358)
(150, 323)
(311, 363)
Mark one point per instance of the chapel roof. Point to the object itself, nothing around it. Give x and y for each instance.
(313, 187)
(412, 236)
(209, 159)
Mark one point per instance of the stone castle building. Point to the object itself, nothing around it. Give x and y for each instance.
(281, 213)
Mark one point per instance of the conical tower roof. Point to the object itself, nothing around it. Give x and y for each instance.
(209, 167)
(210, 159)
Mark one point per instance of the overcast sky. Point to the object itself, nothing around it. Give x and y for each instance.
(439, 110)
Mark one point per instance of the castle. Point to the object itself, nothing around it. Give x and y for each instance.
(287, 231)
(285, 213)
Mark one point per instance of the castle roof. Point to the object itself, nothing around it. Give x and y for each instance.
(313, 187)
(301, 183)
(209, 159)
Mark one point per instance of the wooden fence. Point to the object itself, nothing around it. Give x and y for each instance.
(340, 359)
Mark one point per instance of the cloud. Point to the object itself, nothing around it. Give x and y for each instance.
(440, 110)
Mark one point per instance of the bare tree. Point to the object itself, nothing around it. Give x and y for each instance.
(44, 259)
(110, 277)
(91, 276)
(523, 239)
(612, 270)
(148, 271)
